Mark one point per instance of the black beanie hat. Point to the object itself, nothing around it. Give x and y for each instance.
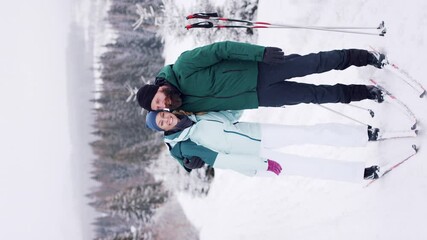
(145, 95)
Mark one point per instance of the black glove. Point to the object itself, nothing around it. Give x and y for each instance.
(193, 163)
(273, 55)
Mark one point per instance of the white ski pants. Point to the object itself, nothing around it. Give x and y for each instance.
(332, 134)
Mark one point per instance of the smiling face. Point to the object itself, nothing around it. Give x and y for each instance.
(159, 101)
(166, 121)
(166, 97)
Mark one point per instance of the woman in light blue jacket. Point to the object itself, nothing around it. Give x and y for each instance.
(221, 141)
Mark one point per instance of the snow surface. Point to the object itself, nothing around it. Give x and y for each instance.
(285, 207)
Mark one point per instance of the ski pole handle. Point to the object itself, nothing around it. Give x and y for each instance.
(205, 24)
(202, 15)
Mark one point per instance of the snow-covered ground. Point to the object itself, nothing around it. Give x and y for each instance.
(287, 207)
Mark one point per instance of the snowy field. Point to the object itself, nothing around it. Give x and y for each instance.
(290, 207)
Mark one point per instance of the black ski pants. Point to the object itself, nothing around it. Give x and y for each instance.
(275, 90)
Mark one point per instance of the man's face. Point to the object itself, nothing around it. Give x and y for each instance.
(165, 98)
(159, 100)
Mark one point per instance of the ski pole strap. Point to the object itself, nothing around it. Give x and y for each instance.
(205, 24)
(202, 15)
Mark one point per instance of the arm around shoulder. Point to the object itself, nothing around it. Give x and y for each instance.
(209, 55)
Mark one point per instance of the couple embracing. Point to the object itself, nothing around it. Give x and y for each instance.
(213, 83)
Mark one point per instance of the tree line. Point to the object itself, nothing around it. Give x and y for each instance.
(129, 193)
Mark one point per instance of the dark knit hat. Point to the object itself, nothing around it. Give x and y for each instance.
(145, 95)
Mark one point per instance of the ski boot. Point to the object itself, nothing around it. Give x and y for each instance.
(378, 60)
(375, 94)
(371, 172)
(373, 133)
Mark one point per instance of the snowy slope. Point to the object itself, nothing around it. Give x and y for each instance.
(285, 207)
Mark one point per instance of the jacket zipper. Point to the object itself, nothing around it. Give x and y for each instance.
(243, 135)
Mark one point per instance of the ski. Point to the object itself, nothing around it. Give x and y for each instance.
(389, 97)
(414, 147)
(404, 76)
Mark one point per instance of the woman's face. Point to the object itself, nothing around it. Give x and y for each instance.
(166, 120)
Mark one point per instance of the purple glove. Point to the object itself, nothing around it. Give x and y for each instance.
(274, 167)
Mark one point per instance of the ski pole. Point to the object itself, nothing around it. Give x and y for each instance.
(343, 115)
(252, 24)
(214, 16)
(362, 108)
(207, 24)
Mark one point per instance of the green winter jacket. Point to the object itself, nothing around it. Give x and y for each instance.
(220, 76)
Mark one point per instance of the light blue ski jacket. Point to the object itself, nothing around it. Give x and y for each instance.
(221, 141)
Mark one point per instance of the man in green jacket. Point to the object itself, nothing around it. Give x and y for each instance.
(234, 76)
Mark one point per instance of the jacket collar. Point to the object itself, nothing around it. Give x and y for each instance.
(180, 136)
(167, 73)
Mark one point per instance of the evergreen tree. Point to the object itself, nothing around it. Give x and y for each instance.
(127, 152)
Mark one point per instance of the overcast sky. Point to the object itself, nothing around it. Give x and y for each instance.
(35, 201)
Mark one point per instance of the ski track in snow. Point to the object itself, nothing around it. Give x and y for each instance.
(239, 207)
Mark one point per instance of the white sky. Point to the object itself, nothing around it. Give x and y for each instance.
(35, 183)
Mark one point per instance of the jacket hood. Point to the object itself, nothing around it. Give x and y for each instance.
(167, 73)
